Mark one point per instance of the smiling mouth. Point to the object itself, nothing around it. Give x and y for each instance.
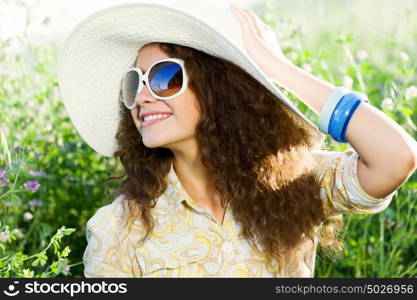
(154, 121)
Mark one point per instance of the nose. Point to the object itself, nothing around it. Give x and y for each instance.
(144, 96)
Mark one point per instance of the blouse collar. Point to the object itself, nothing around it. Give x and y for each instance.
(174, 197)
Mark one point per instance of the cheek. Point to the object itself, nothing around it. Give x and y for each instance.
(134, 114)
(190, 115)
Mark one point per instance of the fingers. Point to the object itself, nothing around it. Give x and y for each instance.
(254, 19)
(246, 21)
(254, 24)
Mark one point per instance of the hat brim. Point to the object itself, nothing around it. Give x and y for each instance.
(104, 45)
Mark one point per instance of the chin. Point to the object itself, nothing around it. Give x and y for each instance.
(153, 143)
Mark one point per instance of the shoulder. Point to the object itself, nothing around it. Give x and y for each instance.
(324, 156)
(326, 159)
(109, 217)
(111, 210)
(106, 255)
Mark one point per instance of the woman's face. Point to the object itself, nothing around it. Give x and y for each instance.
(178, 130)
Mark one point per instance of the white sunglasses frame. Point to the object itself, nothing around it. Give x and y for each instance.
(144, 78)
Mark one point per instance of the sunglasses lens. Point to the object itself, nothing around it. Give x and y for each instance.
(166, 78)
(130, 87)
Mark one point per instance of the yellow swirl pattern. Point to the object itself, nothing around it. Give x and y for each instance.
(188, 242)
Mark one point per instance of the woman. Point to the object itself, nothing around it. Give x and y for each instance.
(221, 180)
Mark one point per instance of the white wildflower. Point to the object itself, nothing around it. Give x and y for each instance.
(341, 69)
(306, 67)
(404, 56)
(411, 124)
(347, 82)
(31, 104)
(292, 56)
(361, 55)
(27, 273)
(411, 92)
(27, 216)
(387, 104)
(17, 232)
(66, 268)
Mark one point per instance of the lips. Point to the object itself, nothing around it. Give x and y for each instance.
(145, 114)
(154, 121)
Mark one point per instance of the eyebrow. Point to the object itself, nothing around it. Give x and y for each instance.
(136, 61)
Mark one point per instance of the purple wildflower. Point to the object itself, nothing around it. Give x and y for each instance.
(4, 236)
(16, 162)
(32, 185)
(17, 149)
(34, 202)
(66, 268)
(4, 181)
(37, 173)
(3, 178)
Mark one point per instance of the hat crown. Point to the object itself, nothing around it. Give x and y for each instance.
(216, 14)
(99, 50)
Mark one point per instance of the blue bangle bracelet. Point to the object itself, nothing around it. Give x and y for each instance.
(329, 106)
(351, 111)
(343, 113)
(338, 120)
(335, 118)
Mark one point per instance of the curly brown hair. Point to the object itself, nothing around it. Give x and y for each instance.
(258, 156)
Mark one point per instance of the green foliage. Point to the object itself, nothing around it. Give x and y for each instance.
(39, 143)
(17, 264)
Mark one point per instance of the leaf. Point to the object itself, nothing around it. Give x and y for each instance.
(66, 251)
(55, 247)
(69, 231)
(407, 112)
(43, 260)
(409, 185)
(35, 262)
(409, 72)
(54, 267)
(5, 148)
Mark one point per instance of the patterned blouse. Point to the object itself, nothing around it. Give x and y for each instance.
(188, 242)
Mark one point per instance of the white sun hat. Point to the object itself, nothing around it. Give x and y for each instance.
(96, 53)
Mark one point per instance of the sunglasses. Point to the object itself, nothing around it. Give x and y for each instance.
(165, 79)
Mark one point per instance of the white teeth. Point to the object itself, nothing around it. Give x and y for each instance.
(151, 117)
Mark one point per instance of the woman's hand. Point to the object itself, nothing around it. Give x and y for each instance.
(260, 40)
